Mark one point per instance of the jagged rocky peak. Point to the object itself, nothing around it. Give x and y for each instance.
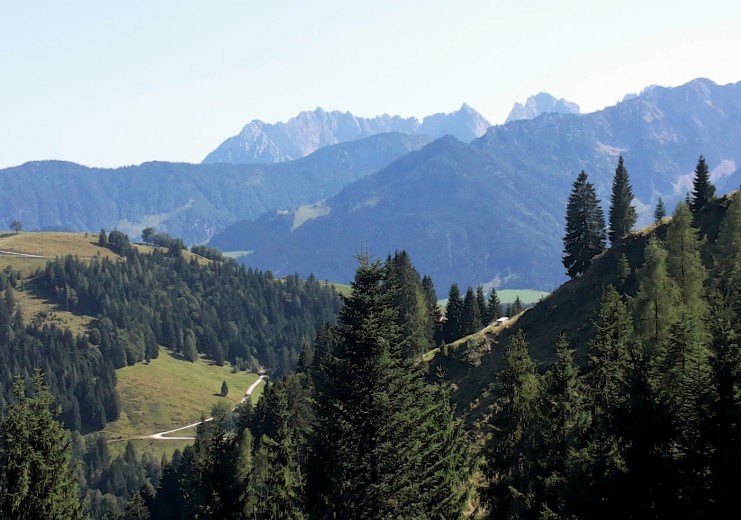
(260, 142)
(541, 103)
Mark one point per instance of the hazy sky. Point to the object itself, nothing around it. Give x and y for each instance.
(118, 83)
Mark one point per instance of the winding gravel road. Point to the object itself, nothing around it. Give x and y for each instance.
(162, 436)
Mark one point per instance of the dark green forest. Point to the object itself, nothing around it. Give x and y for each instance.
(632, 411)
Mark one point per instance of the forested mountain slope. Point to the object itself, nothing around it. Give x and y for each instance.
(140, 301)
(186, 200)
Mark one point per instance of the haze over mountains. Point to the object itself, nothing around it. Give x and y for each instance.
(485, 211)
(262, 143)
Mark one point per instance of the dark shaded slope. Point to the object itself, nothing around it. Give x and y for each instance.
(459, 212)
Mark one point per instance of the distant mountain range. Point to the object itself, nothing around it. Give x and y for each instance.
(541, 103)
(486, 211)
(190, 201)
(262, 143)
(492, 211)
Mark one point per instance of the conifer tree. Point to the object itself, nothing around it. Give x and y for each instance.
(493, 307)
(280, 494)
(371, 446)
(471, 320)
(660, 211)
(657, 298)
(414, 317)
(683, 261)
(516, 307)
(622, 214)
(562, 424)
(481, 303)
(453, 327)
(36, 480)
(511, 449)
(724, 424)
(623, 267)
(703, 191)
(727, 252)
(606, 378)
(433, 309)
(585, 227)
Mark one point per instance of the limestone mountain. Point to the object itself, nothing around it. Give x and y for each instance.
(541, 103)
(492, 211)
(263, 143)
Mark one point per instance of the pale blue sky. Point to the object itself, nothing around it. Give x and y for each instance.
(118, 83)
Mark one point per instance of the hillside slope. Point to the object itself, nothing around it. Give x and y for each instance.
(186, 200)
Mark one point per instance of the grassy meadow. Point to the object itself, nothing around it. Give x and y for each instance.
(168, 393)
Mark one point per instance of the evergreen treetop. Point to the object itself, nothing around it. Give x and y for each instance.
(622, 214)
(585, 227)
(703, 191)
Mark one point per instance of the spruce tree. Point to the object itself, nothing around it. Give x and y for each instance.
(585, 227)
(724, 424)
(703, 191)
(511, 450)
(371, 448)
(280, 492)
(727, 252)
(561, 427)
(481, 303)
(471, 320)
(606, 377)
(453, 327)
(36, 480)
(433, 309)
(660, 211)
(622, 214)
(493, 307)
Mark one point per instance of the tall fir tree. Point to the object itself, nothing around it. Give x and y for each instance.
(453, 327)
(280, 491)
(371, 449)
(660, 211)
(585, 227)
(433, 309)
(600, 464)
(481, 303)
(471, 320)
(724, 424)
(414, 317)
(622, 214)
(36, 480)
(727, 252)
(511, 450)
(562, 424)
(493, 307)
(703, 191)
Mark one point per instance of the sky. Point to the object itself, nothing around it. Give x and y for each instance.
(120, 83)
